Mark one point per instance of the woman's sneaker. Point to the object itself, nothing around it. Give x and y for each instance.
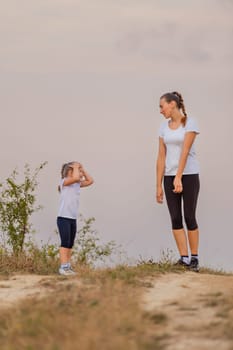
(180, 262)
(194, 265)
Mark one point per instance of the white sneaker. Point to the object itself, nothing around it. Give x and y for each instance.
(73, 272)
(66, 271)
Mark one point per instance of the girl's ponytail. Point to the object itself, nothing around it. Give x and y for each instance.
(64, 171)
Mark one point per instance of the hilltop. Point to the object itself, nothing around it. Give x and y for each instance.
(143, 307)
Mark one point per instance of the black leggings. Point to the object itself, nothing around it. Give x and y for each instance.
(191, 186)
(67, 229)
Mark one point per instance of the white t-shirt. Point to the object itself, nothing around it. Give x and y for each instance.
(69, 200)
(173, 140)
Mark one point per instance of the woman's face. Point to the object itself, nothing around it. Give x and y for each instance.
(166, 108)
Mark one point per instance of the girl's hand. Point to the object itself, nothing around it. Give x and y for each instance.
(159, 195)
(178, 187)
(74, 166)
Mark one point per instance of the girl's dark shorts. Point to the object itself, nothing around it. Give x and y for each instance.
(67, 229)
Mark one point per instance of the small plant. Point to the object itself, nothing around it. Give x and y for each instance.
(17, 204)
(167, 257)
(88, 249)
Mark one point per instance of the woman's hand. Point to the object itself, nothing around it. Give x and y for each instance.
(159, 194)
(178, 187)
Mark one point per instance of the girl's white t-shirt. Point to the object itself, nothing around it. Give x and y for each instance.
(69, 200)
(173, 139)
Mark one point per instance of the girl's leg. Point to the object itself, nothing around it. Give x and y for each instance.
(174, 207)
(69, 254)
(72, 237)
(65, 232)
(64, 255)
(191, 186)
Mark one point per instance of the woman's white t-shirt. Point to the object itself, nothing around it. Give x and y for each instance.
(173, 139)
(69, 200)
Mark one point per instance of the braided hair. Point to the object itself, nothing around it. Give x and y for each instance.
(64, 171)
(177, 97)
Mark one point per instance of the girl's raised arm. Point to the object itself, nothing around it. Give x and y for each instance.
(86, 180)
(73, 176)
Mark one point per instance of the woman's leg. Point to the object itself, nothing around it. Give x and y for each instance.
(181, 241)
(193, 237)
(174, 207)
(191, 186)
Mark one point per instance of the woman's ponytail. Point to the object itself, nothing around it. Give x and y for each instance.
(177, 97)
(181, 106)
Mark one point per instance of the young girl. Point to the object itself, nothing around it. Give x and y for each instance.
(178, 169)
(73, 177)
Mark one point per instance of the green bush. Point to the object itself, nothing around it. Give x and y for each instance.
(17, 204)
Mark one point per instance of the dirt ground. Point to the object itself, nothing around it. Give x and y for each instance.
(193, 304)
(19, 287)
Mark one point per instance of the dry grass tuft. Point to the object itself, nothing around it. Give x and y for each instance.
(34, 261)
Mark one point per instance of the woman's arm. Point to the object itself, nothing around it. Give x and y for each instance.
(74, 177)
(188, 141)
(160, 167)
(87, 180)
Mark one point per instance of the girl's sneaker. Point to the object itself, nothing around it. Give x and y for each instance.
(72, 271)
(66, 271)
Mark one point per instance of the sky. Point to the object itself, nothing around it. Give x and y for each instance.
(81, 80)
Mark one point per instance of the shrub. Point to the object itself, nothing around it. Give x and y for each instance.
(17, 204)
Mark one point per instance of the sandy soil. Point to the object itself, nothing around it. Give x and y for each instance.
(191, 303)
(19, 287)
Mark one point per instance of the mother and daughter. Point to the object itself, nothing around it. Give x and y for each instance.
(177, 171)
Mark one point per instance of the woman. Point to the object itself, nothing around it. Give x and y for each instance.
(73, 177)
(178, 169)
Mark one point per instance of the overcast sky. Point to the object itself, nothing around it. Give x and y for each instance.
(82, 80)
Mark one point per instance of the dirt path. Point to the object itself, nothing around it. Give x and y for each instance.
(191, 310)
(193, 307)
(19, 287)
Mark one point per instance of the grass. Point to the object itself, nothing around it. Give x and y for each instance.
(35, 261)
(99, 309)
(101, 312)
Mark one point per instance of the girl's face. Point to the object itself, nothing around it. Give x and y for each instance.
(79, 168)
(69, 173)
(166, 108)
(81, 171)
